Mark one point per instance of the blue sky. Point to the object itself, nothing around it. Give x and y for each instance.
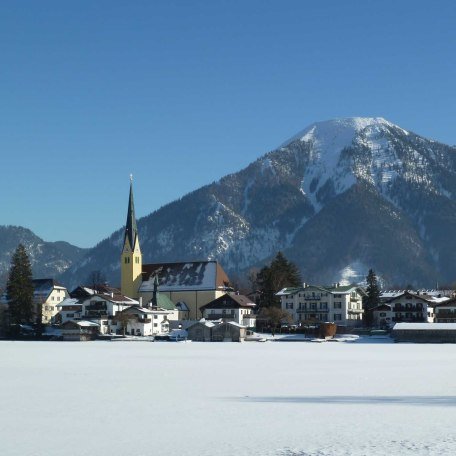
(180, 93)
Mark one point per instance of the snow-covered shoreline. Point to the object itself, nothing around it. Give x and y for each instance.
(224, 399)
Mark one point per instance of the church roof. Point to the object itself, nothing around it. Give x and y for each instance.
(185, 276)
(131, 229)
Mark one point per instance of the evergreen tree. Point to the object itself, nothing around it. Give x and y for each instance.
(271, 279)
(372, 298)
(19, 288)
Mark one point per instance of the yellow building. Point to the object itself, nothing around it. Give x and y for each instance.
(189, 285)
(47, 295)
(131, 258)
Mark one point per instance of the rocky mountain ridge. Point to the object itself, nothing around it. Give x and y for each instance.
(339, 197)
(48, 259)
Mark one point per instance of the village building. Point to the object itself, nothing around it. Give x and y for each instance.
(313, 304)
(231, 307)
(445, 312)
(192, 284)
(141, 321)
(79, 330)
(424, 332)
(47, 294)
(216, 331)
(383, 316)
(407, 307)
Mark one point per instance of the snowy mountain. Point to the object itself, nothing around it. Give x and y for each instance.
(338, 198)
(48, 259)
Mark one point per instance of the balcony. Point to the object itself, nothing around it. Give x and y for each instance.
(301, 311)
(218, 316)
(403, 308)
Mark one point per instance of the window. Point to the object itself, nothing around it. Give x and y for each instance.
(127, 260)
(337, 317)
(155, 317)
(323, 305)
(137, 260)
(155, 325)
(338, 305)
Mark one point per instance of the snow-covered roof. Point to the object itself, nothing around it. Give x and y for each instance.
(68, 302)
(424, 326)
(230, 301)
(196, 275)
(234, 323)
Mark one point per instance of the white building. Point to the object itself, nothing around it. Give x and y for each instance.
(141, 321)
(231, 307)
(410, 307)
(47, 294)
(309, 303)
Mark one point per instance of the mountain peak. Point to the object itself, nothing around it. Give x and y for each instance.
(338, 133)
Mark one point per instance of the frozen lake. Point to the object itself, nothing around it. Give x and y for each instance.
(287, 399)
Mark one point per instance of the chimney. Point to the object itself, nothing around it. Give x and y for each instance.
(304, 285)
(140, 302)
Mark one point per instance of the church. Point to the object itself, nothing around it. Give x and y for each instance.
(189, 285)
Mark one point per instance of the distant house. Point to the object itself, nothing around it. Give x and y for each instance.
(98, 306)
(310, 303)
(79, 330)
(383, 316)
(410, 307)
(69, 309)
(424, 332)
(445, 312)
(231, 307)
(200, 331)
(216, 331)
(141, 321)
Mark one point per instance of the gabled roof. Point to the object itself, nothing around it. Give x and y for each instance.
(104, 292)
(44, 287)
(185, 276)
(230, 301)
(448, 303)
(411, 295)
(334, 290)
(385, 307)
(70, 302)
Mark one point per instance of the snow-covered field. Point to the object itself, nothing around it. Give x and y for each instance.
(287, 399)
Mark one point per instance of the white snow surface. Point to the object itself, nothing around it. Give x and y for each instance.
(268, 399)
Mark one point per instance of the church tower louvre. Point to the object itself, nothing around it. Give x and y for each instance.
(131, 258)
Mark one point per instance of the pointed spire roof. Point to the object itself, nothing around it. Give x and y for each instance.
(131, 229)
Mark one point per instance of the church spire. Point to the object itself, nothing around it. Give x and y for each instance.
(131, 258)
(131, 230)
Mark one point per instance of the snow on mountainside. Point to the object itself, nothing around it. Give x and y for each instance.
(48, 259)
(340, 196)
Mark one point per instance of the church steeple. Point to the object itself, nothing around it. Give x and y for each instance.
(131, 229)
(131, 258)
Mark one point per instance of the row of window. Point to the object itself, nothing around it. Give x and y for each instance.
(313, 305)
(127, 260)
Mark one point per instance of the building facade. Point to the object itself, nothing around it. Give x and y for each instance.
(312, 304)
